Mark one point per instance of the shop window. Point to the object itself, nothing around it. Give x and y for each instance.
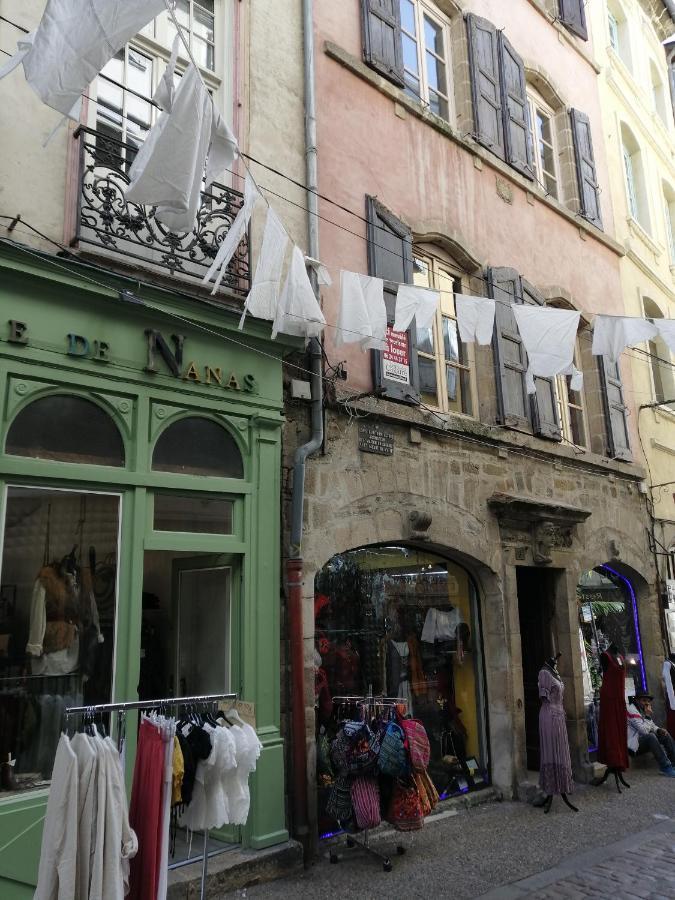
(198, 513)
(607, 615)
(197, 446)
(403, 622)
(68, 429)
(57, 620)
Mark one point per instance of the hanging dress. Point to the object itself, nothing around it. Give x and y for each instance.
(612, 743)
(555, 765)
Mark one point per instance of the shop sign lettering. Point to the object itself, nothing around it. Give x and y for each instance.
(395, 359)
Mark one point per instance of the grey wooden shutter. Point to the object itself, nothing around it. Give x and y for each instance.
(589, 191)
(573, 16)
(395, 370)
(382, 43)
(509, 353)
(544, 403)
(486, 90)
(618, 445)
(517, 143)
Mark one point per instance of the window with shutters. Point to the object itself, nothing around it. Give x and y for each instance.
(660, 360)
(619, 33)
(587, 179)
(616, 420)
(637, 200)
(544, 142)
(445, 364)
(572, 14)
(426, 56)
(571, 409)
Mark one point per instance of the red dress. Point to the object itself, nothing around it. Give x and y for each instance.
(612, 737)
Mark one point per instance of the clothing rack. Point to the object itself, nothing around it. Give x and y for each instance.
(370, 703)
(165, 703)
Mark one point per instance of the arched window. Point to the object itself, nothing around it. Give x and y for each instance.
(196, 445)
(636, 192)
(619, 37)
(66, 428)
(660, 362)
(658, 93)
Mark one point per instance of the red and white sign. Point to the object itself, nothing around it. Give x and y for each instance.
(395, 359)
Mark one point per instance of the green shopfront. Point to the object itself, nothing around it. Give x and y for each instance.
(139, 516)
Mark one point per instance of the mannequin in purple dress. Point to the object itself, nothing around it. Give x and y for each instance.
(555, 765)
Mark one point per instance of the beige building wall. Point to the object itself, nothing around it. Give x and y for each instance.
(637, 117)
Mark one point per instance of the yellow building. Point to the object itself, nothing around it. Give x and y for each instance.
(632, 49)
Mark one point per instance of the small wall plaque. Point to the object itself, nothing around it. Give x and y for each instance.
(376, 439)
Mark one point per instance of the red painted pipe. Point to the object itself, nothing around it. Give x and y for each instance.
(294, 572)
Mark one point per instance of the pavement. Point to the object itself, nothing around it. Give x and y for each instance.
(619, 846)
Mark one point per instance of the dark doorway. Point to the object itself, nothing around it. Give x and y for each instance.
(536, 607)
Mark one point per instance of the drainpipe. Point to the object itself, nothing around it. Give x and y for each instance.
(294, 565)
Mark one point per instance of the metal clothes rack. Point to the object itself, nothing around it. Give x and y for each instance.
(370, 705)
(166, 703)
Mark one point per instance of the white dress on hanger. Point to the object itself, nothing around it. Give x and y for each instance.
(248, 749)
(209, 806)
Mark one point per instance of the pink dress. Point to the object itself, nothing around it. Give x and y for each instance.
(555, 765)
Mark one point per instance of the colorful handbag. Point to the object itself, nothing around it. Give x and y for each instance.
(405, 808)
(366, 801)
(339, 805)
(427, 791)
(393, 757)
(418, 743)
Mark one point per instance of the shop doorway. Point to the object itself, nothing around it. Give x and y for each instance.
(536, 609)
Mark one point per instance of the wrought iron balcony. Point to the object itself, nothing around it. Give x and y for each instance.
(131, 233)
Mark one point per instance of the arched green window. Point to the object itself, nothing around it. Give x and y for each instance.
(196, 445)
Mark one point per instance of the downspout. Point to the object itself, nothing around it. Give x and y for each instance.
(294, 565)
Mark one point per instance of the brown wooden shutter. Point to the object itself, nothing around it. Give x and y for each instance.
(573, 17)
(382, 44)
(544, 402)
(395, 370)
(485, 84)
(517, 142)
(509, 353)
(589, 191)
(618, 445)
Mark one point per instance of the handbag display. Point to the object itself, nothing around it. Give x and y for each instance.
(393, 757)
(405, 809)
(419, 749)
(365, 796)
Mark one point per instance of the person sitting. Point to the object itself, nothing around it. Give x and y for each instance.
(645, 735)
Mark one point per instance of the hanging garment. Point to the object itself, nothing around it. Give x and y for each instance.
(168, 732)
(440, 625)
(555, 765)
(88, 773)
(666, 329)
(612, 334)
(612, 749)
(363, 314)
(145, 812)
(73, 42)
(235, 780)
(234, 236)
(178, 770)
(418, 302)
(264, 294)
(298, 312)
(168, 169)
(549, 336)
(475, 318)
(322, 273)
(209, 807)
(576, 377)
(398, 683)
(668, 674)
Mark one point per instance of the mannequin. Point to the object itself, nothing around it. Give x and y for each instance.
(612, 747)
(555, 768)
(669, 684)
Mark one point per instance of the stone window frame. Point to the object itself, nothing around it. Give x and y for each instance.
(635, 179)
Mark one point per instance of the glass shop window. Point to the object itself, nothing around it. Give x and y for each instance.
(607, 615)
(197, 446)
(402, 622)
(197, 513)
(57, 621)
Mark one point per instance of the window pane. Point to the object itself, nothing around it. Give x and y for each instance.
(551, 185)
(108, 152)
(107, 93)
(68, 429)
(451, 382)
(410, 54)
(57, 619)
(425, 340)
(427, 373)
(197, 446)
(201, 513)
(450, 340)
(544, 127)
(408, 16)
(438, 105)
(203, 53)
(433, 37)
(182, 12)
(577, 426)
(202, 24)
(435, 73)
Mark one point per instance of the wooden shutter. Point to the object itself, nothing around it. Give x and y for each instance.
(509, 353)
(486, 90)
(618, 445)
(382, 43)
(573, 17)
(589, 191)
(544, 402)
(395, 370)
(517, 143)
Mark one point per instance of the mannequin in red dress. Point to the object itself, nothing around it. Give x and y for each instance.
(612, 741)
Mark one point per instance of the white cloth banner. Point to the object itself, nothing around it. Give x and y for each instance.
(234, 236)
(264, 294)
(298, 312)
(612, 334)
(73, 42)
(549, 336)
(363, 315)
(666, 329)
(475, 318)
(419, 302)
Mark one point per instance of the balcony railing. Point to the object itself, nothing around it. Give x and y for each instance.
(126, 231)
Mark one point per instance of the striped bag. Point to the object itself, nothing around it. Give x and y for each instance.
(366, 802)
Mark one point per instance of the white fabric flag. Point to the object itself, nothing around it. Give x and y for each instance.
(475, 318)
(666, 329)
(73, 42)
(419, 302)
(612, 334)
(264, 294)
(549, 336)
(298, 312)
(363, 314)
(234, 236)
(576, 377)
(322, 273)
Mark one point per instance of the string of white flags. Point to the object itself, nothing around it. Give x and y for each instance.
(191, 142)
